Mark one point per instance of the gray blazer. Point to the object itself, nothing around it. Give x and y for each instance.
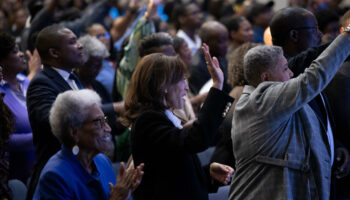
(281, 149)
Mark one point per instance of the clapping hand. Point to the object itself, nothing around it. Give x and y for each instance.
(221, 173)
(127, 181)
(213, 67)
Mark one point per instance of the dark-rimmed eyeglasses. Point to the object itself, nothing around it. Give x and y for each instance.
(100, 122)
(306, 28)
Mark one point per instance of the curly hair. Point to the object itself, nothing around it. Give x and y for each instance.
(235, 65)
(6, 121)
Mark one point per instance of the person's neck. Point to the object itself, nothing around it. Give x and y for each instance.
(190, 33)
(12, 79)
(235, 44)
(86, 83)
(59, 66)
(86, 159)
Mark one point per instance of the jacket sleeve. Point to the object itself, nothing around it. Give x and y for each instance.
(155, 129)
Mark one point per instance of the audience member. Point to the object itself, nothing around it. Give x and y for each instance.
(79, 170)
(188, 18)
(106, 75)
(273, 130)
(338, 94)
(143, 28)
(60, 53)
(20, 146)
(215, 35)
(6, 129)
(94, 52)
(47, 17)
(260, 16)
(295, 30)
(3, 21)
(302, 45)
(328, 23)
(19, 22)
(240, 31)
(187, 114)
(157, 87)
(182, 50)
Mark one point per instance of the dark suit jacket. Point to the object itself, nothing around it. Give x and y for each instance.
(172, 169)
(200, 75)
(42, 92)
(338, 93)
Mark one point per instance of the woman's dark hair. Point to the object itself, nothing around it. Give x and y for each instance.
(152, 76)
(178, 41)
(7, 44)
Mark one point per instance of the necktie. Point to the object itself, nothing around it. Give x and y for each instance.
(74, 77)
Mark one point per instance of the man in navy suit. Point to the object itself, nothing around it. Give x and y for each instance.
(60, 53)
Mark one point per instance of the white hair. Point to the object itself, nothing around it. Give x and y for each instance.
(258, 60)
(92, 47)
(69, 110)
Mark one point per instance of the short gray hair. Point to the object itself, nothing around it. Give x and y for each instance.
(69, 110)
(92, 47)
(258, 60)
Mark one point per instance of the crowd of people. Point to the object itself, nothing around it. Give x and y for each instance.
(86, 86)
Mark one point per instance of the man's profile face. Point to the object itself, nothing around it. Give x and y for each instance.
(308, 33)
(70, 49)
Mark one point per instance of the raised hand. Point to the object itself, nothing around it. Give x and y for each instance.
(34, 63)
(152, 8)
(213, 67)
(221, 173)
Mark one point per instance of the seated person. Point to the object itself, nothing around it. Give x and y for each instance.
(79, 170)
(15, 87)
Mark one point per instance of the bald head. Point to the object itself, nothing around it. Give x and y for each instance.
(295, 30)
(285, 20)
(215, 35)
(48, 38)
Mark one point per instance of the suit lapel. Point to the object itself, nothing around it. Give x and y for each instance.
(56, 77)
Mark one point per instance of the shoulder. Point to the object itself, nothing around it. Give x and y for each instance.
(150, 116)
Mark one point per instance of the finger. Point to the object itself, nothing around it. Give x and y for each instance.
(216, 62)
(29, 54)
(121, 169)
(110, 185)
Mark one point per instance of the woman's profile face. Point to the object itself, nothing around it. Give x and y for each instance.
(176, 93)
(94, 135)
(14, 61)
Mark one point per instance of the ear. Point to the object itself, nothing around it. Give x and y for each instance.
(264, 76)
(181, 19)
(54, 53)
(233, 34)
(294, 35)
(73, 133)
(341, 29)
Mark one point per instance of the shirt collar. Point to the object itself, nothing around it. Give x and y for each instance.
(63, 73)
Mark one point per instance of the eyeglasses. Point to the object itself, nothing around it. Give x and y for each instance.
(306, 28)
(105, 35)
(100, 122)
